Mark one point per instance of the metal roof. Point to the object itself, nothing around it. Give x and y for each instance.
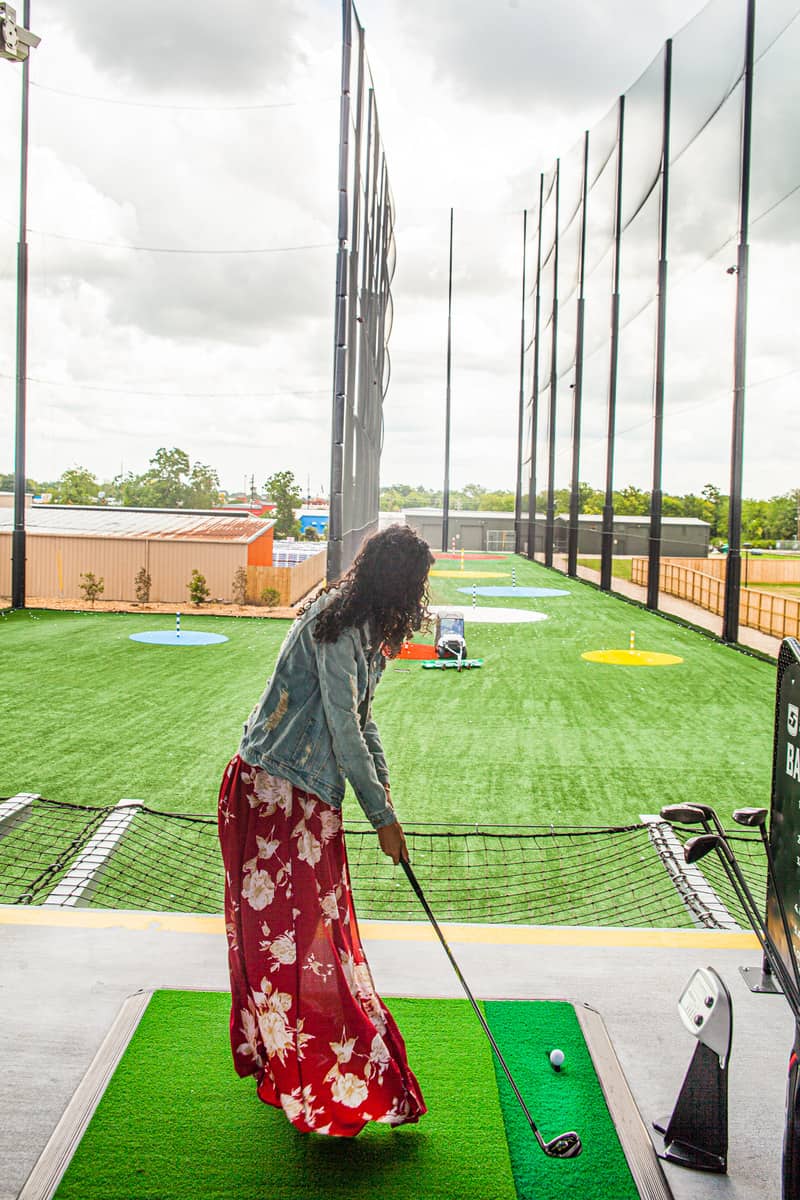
(635, 520)
(162, 524)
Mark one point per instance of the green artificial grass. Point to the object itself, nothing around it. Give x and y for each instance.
(568, 1099)
(176, 1122)
(538, 735)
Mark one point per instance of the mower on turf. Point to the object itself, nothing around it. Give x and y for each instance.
(451, 644)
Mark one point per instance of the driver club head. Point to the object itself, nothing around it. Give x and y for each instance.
(684, 814)
(566, 1145)
(753, 818)
(695, 848)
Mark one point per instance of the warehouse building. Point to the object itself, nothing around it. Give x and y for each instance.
(64, 542)
(681, 537)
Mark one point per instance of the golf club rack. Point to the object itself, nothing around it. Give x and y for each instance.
(776, 928)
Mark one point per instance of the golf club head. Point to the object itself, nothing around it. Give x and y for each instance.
(753, 818)
(684, 814)
(566, 1145)
(695, 848)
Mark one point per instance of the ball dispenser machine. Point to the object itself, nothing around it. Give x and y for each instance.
(696, 1135)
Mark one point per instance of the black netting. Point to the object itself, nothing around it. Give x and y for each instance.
(509, 875)
(749, 852)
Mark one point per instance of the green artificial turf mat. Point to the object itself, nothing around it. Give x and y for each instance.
(176, 1123)
(571, 1098)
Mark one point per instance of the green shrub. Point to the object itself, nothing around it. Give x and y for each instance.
(142, 584)
(239, 585)
(270, 596)
(198, 588)
(92, 587)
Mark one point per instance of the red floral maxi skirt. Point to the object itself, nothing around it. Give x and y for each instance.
(305, 1017)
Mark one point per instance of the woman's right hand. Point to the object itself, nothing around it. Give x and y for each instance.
(393, 842)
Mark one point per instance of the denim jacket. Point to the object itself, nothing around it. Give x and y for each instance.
(313, 724)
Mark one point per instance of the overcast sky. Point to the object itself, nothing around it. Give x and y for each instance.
(177, 149)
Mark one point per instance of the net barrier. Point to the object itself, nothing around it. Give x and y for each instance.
(136, 857)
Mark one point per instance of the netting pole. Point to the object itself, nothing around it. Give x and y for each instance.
(521, 413)
(733, 574)
(18, 535)
(550, 514)
(577, 398)
(356, 403)
(537, 318)
(607, 545)
(446, 489)
(335, 524)
(654, 556)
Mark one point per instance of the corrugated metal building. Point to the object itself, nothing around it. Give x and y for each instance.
(681, 537)
(65, 541)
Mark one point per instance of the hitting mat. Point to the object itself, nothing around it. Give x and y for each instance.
(174, 1122)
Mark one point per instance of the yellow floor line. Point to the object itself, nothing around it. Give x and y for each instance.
(395, 931)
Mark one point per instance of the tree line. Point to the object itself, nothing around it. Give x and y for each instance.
(762, 520)
(170, 481)
(173, 481)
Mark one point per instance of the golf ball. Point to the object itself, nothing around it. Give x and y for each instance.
(557, 1059)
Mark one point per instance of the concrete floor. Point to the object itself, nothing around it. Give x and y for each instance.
(65, 975)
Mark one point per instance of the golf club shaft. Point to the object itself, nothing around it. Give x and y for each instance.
(745, 897)
(412, 879)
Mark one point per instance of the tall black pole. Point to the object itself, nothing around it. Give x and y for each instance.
(537, 317)
(577, 399)
(18, 536)
(730, 621)
(607, 547)
(446, 489)
(336, 523)
(654, 556)
(521, 414)
(550, 514)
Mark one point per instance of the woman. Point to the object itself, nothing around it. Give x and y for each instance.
(305, 1017)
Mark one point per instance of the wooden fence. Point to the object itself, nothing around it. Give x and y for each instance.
(291, 583)
(779, 616)
(754, 569)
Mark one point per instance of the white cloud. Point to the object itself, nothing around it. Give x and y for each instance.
(229, 355)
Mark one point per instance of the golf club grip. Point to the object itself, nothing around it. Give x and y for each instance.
(412, 879)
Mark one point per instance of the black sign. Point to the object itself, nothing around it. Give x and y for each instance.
(784, 832)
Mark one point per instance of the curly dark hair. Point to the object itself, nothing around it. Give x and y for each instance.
(387, 585)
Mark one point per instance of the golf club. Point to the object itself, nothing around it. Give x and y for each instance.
(757, 817)
(698, 847)
(566, 1145)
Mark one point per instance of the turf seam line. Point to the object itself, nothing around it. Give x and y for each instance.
(49, 1168)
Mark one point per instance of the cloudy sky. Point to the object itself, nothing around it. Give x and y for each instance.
(182, 209)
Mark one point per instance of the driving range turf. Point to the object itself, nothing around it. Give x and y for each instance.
(176, 1122)
(539, 735)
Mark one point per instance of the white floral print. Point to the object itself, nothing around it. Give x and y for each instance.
(258, 889)
(287, 886)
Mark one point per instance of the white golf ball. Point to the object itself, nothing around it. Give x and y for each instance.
(557, 1059)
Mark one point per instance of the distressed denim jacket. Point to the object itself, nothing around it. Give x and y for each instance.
(313, 724)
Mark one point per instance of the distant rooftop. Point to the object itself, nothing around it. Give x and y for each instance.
(166, 524)
(461, 512)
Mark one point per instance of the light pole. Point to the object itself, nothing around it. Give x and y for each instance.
(15, 45)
